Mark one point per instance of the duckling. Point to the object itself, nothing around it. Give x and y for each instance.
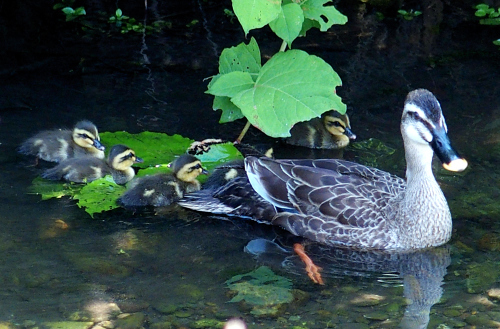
(164, 189)
(87, 169)
(331, 131)
(61, 144)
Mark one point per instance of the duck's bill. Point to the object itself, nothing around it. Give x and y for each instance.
(445, 152)
(98, 145)
(348, 132)
(138, 160)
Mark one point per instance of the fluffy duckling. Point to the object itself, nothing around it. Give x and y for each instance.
(163, 189)
(87, 169)
(331, 131)
(62, 144)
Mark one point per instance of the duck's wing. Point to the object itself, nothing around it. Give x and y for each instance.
(235, 198)
(334, 190)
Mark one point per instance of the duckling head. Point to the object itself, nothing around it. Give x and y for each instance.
(187, 168)
(339, 126)
(121, 157)
(85, 135)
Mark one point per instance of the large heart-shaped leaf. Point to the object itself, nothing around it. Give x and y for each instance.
(292, 86)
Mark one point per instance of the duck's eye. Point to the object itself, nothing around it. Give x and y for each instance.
(413, 115)
(84, 136)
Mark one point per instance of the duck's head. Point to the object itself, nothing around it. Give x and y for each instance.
(121, 157)
(85, 135)
(423, 125)
(187, 168)
(339, 126)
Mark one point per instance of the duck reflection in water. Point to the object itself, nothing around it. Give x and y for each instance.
(422, 271)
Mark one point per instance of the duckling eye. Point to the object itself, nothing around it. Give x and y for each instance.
(129, 156)
(84, 136)
(197, 166)
(335, 124)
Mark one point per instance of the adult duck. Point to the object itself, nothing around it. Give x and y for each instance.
(345, 204)
(341, 203)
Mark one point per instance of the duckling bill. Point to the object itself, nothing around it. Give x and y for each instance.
(87, 169)
(331, 131)
(164, 189)
(62, 144)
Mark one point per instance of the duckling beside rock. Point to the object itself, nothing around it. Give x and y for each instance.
(164, 189)
(87, 169)
(331, 131)
(62, 144)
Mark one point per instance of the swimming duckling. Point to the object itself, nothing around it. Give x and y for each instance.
(87, 169)
(163, 189)
(331, 131)
(61, 144)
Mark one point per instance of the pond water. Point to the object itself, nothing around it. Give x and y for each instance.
(62, 268)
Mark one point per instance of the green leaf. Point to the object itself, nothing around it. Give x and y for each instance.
(292, 86)
(261, 287)
(80, 11)
(489, 21)
(230, 84)
(307, 25)
(326, 16)
(230, 112)
(118, 13)
(245, 58)
(68, 10)
(99, 195)
(482, 6)
(496, 42)
(218, 154)
(49, 189)
(153, 148)
(253, 14)
(289, 22)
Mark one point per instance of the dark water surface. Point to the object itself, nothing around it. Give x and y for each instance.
(172, 268)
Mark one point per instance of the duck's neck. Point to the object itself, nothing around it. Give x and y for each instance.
(424, 206)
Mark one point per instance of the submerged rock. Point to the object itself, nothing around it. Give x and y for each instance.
(130, 321)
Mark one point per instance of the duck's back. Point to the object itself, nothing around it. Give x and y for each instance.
(335, 202)
(78, 170)
(155, 190)
(50, 145)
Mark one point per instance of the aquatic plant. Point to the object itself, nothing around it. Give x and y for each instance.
(489, 15)
(409, 14)
(292, 86)
(67, 9)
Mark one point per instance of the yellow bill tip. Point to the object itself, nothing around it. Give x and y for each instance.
(456, 165)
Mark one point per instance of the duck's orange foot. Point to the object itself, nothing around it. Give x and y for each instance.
(311, 269)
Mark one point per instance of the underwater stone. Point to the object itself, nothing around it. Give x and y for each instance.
(165, 308)
(130, 321)
(68, 325)
(207, 323)
(379, 316)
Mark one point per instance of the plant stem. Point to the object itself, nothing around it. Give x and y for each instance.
(243, 132)
(283, 46)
